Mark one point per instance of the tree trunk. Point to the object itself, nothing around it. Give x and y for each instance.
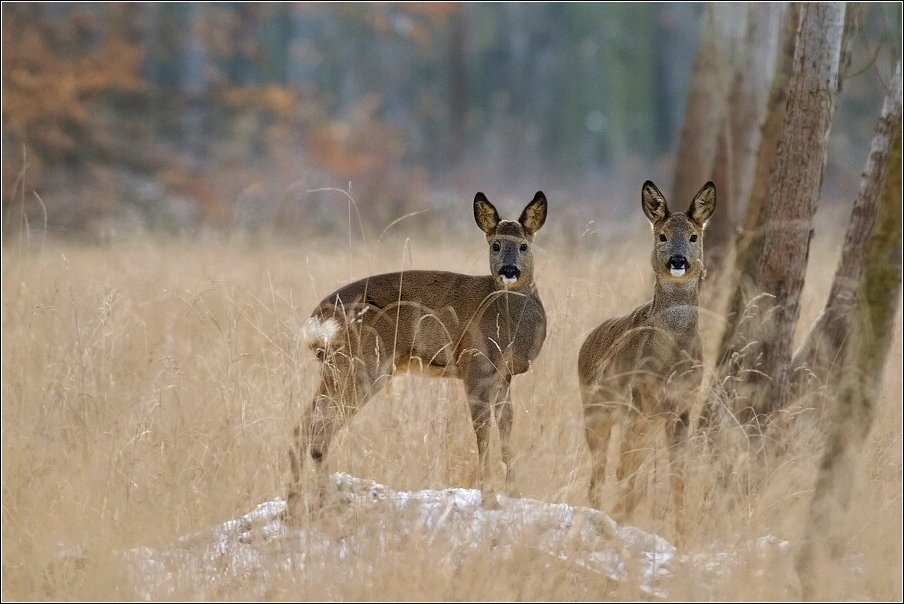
(772, 129)
(758, 359)
(873, 324)
(458, 85)
(707, 101)
(742, 127)
(822, 353)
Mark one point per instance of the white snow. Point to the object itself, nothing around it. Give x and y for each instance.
(260, 542)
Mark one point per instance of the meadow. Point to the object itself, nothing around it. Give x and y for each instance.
(150, 386)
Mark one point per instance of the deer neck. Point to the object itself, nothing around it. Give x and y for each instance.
(675, 306)
(518, 303)
(528, 290)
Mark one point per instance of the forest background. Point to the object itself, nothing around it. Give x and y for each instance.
(235, 117)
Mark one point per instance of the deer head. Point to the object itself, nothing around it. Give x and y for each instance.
(678, 238)
(511, 258)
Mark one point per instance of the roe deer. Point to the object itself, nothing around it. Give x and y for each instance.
(641, 370)
(480, 329)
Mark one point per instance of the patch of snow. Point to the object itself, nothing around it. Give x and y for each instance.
(261, 542)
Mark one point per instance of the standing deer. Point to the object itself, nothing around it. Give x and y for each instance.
(641, 370)
(481, 329)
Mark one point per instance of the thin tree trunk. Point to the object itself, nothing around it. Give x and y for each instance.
(707, 101)
(772, 130)
(758, 359)
(825, 347)
(458, 84)
(873, 325)
(742, 128)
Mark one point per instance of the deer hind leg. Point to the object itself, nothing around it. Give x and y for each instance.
(346, 384)
(598, 423)
(323, 417)
(295, 500)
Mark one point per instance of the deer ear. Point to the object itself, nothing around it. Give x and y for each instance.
(534, 215)
(703, 204)
(654, 205)
(485, 214)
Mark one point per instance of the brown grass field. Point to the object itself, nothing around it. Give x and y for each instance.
(149, 389)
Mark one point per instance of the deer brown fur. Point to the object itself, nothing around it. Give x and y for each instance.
(642, 370)
(481, 329)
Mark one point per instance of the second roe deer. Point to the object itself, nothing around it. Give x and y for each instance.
(481, 329)
(641, 370)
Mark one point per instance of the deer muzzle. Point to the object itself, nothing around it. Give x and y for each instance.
(677, 265)
(509, 274)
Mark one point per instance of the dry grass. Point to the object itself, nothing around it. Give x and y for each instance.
(149, 390)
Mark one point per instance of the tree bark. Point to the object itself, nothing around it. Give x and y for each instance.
(458, 84)
(742, 127)
(822, 353)
(873, 324)
(772, 129)
(758, 359)
(707, 102)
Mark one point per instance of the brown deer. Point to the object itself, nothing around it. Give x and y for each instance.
(482, 330)
(641, 370)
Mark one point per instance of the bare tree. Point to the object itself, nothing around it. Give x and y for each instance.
(724, 25)
(876, 302)
(768, 147)
(771, 131)
(758, 359)
(826, 345)
(458, 83)
(742, 127)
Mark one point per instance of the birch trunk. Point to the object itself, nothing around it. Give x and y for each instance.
(876, 304)
(742, 127)
(707, 102)
(758, 359)
(817, 361)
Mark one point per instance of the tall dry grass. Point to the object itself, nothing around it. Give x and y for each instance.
(149, 389)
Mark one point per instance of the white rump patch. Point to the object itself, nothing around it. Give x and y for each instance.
(677, 272)
(509, 280)
(318, 333)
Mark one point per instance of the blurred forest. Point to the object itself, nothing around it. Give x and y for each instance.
(121, 119)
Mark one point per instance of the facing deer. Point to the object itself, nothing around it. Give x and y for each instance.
(481, 329)
(641, 370)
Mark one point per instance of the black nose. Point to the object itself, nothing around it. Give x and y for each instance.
(677, 263)
(509, 272)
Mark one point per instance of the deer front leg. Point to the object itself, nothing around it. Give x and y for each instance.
(634, 449)
(677, 433)
(504, 418)
(481, 420)
(485, 388)
(598, 423)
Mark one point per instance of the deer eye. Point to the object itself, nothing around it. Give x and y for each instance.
(523, 247)
(496, 246)
(693, 238)
(662, 238)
